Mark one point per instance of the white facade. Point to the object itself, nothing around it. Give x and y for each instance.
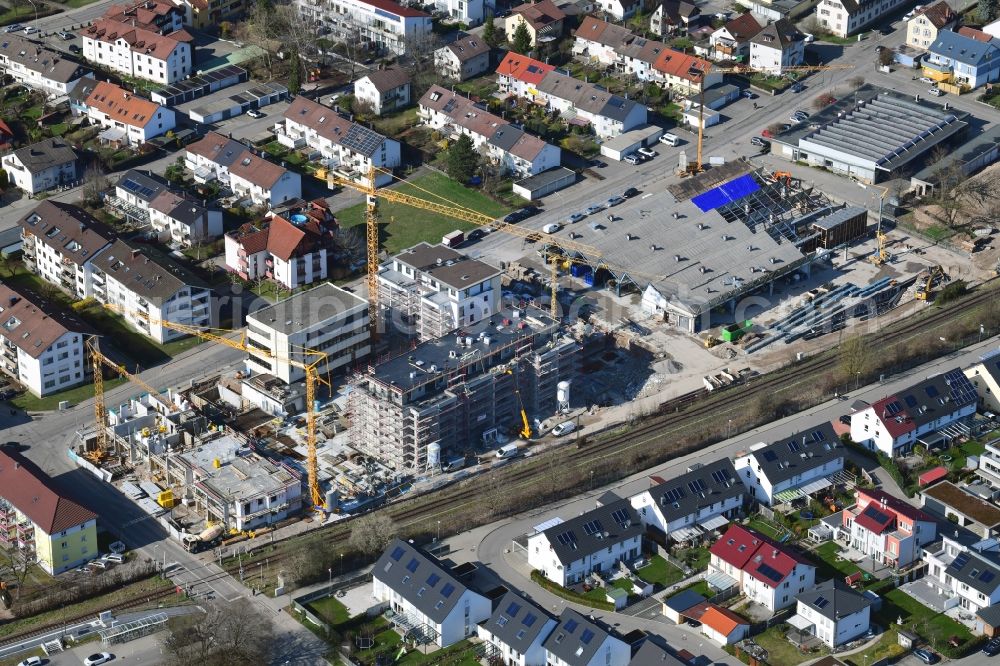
(619, 10)
(381, 101)
(459, 624)
(773, 58)
(32, 64)
(542, 556)
(535, 655)
(940, 556)
(382, 23)
(341, 332)
(61, 366)
(190, 305)
(652, 515)
(31, 181)
(166, 64)
(764, 489)
(51, 265)
(469, 12)
(835, 16)
(835, 632)
(205, 227)
(288, 186)
(113, 108)
(870, 431)
(802, 578)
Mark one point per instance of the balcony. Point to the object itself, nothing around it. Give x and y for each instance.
(293, 140)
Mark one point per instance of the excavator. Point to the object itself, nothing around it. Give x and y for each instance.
(924, 291)
(526, 428)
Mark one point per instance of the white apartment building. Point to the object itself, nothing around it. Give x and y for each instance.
(432, 290)
(126, 118)
(922, 30)
(581, 641)
(380, 24)
(414, 585)
(384, 90)
(799, 465)
(138, 52)
(325, 318)
(846, 17)
(149, 291)
(985, 377)
(38, 67)
(247, 174)
(776, 46)
(60, 242)
(463, 59)
(566, 552)
(469, 12)
(41, 346)
(352, 149)
(41, 166)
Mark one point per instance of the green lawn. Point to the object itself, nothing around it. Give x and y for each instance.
(30, 403)
(780, 651)
(696, 558)
(660, 572)
(888, 647)
(934, 627)
(403, 226)
(330, 611)
(396, 123)
(834, 39)
(828, 565)
(767, 528)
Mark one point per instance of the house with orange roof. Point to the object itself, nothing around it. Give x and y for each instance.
(520, 75)
(293, 245)
(138, 52)
(246, 173)
(127, 118)
(39, 520)
(616, 46)
(723, 626)
(348, 148)
(682, 72)
(159, 16)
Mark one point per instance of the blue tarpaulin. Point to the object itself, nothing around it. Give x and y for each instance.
(726, 193)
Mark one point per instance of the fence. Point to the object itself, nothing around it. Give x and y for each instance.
(778, 618)
(299, 607)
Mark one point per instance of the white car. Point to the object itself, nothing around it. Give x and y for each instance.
(926, 79)
(631, 159)
(254, 113)
(575, 217)
(937, 92)
(30, 29)
(551, 228)
(97, 659)
(117, 558)
(564, 428)
(31, 661)
(647, 152)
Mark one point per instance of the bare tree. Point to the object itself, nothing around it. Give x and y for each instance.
(232, 635)
(351, 241)
(856, 82)
(95, 182)
(856, 358)
(372, 533)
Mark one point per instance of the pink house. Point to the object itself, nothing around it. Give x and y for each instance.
(886, 529)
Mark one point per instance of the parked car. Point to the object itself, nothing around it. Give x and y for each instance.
(596, 208)
(798, 87)
(796, 119)
(648, 152)
(926, 656)
(926, 79)
(551, 228)
(515, 217)
(30, 30)
(31, 661)
(530, 211)
(632, 159)
(597, 164)
(115, 558)
(786, 127)
(575, 217)
(845, 419)
(937, 92)
(992, 648)
(614, 201)
(759, 142)
(800, 112)
(254, 113)
(75, 48)
(564, 428)
(749, 94)
(13, 27)
(630, 192)
(66, 35)
(97, 659)
(507, 451)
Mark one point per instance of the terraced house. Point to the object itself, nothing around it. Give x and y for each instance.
(138, 52)
(885, 529)
(846, 17)
(36, 518)
(127, 119)
(792, 467)
(32, 64)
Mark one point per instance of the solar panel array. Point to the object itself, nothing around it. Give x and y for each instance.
(931, 391)
(586, 636)
(673, 495)
(697, 486)
(447, 590)
(593, 527)
(911, 400)
(962, 390)
(137, 189)
(571, 625)
(893, 408)
(821, 602)
(529, 619)
(621, 517)
(433, 580)
(721, 476)
(513, 609)
(770, 573)
(770, 456)
(199, 86)
(362, 140)
(793, 446)
(726, 193)
(876, 515)
(397, 553)
(566, 538)
(961, 560)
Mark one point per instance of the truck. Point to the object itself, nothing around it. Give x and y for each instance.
(195, 543)
(453, 239)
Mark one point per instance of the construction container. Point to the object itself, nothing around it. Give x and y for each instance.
(734, 332)
(166, 499)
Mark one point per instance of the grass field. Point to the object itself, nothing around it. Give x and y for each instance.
(780, 651)
(330, 611)
(933, 626)
(31, 403)
(660, 572)
(403, 226)
(827, 564)
(767, 528)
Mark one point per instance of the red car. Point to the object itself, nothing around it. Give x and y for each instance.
(766, 133)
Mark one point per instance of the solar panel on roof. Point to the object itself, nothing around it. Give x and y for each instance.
(397, 553)
(893, 408)
(720, 475)
(433, 579)
(571, 625)
(961, 560)
(818, 436)
(770, 456)
(793, 446)
(931, 391)
(987, 576)
(673, 495)
(821, 602)
(529, 619)
(513, 609)
(697, 486)
(566, 538)
(593, 527)
(875, 514)
(447, 590)
(586, 636)
(620, 516)
(910, 401)
(412, 565)
(770, 572)
(138, 189)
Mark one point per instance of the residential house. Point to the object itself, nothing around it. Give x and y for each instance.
(922, 30)
(832, 612)
(150, 289)
(974, 33)
(607, 114)
(651, 654)
(683, 74)
(137, 52)
(965, 574)
(42, 166)
(516, 632)
(183, 219)
(348, 148)
(38, 67)
(578, 641)
(247, 174)
(133, 193)
(672, 17)
(384, 90)
(799, 465)
(520, 75)
(324, 318)
(126, 118)
(431, 290)
(846, 17)
(157, 16)
(385, 25)
(616, 46)
(766, 572)
(992, 29)
(469, 13)
(722, 626)
(567, 552)
(732, 40)
(962, 60)
(886, 529)
(776, 46)
(203, 14)
(949, 501)
(59, 244)
(618, 10)
(676, 606)
(706, 497)
(544, 20)
(35, 517)
(293, 245)
(511, 148)
(43, 346)
(985, 376)
(464, 58)
(989, 464)
(417, 588)
(895, 423)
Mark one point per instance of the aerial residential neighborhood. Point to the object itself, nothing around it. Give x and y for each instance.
(556, 333)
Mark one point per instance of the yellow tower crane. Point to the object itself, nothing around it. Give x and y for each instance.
(452, 210)
(98, 361)
(697, 166)
(311, 368)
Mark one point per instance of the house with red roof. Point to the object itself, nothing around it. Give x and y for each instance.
(886, 529)
(520, 75)
(141, 53)
(765, 571)
(682, 72)
(914, 415)
(39, 520)
(723, 626)
(293, 245)
(732, 40)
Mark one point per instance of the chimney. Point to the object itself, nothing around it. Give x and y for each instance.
(135, 253)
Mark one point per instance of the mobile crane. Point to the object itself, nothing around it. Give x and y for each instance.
(310, 367)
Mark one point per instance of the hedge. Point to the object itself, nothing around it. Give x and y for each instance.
(561, 591)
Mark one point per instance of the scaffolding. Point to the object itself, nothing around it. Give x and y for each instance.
(129, 631)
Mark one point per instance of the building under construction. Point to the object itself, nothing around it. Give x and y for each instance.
(463, 391)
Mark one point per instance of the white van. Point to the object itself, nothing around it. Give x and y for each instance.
(507, 451)
(670, 139)
(564, 428)
(453, 464)
(552, 228)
